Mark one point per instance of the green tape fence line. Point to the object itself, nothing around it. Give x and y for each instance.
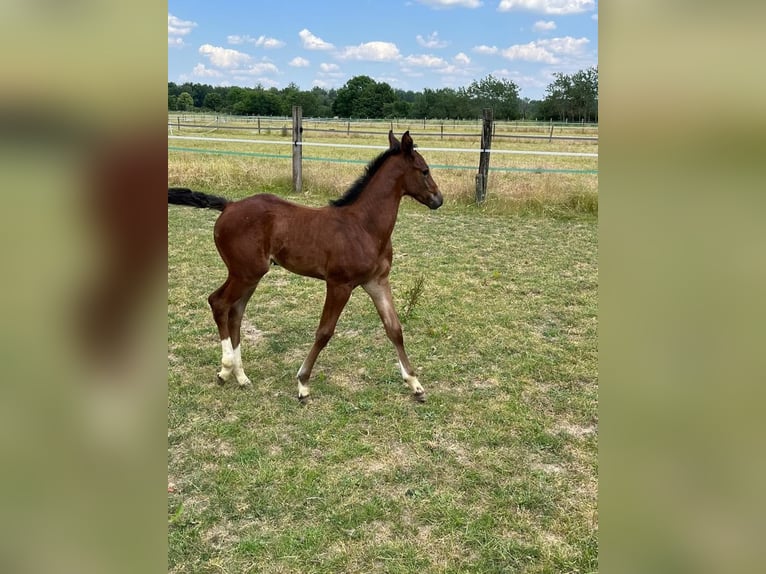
(363, 162)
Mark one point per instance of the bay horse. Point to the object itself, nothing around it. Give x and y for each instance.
(346, 244)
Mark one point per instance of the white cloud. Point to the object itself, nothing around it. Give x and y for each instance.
(451, 70)
(237, 40)
(261, 81)
(451, 3)
(531, 52)
(201, 71)
(424, 61)
(543, 26)
(522, 80)
(178, 28)
(269, 43)
(461, 58)
(565, 46)
(486, 50)
(371, 52)
(547, 51)
(311, 42)
(260, 41)
(548, 6)
(432, 41)
(299, 62)
(330, 70)
(259, 68)
(224, 57)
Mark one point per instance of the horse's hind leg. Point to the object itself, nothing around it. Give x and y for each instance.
(228, 305)
(235, 324)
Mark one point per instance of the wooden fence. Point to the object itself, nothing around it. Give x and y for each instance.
(296, 129)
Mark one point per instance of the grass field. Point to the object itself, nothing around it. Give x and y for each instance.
(496, 472)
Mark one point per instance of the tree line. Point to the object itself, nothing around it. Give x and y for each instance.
(572, 98)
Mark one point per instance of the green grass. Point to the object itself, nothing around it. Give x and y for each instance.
(496, 472)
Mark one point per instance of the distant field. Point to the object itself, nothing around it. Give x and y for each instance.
(517, 183)
(496, 472)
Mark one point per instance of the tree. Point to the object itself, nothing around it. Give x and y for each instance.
(373, 100)
(499, 94)
(213, 101)
(347, 96)
(363, 97)
(444, 103)
(397, 109)
(185, 102)
(584, 94)
(323, 100)
(573, 97)
(290, 96)
(234, 100)
(260, 102)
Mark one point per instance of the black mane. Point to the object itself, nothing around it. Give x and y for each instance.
(353, 192)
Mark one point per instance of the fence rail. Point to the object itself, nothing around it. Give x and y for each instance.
(296, 129)
(529, 130)
(380, 147)
(199, 117)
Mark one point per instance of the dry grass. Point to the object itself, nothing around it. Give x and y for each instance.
(517, 183)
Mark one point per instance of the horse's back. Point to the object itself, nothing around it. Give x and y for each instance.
(262, 226)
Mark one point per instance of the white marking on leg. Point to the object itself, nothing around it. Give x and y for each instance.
(227, 359)
(411, 380)
(302, 371)
(239, 370)
(303, 390)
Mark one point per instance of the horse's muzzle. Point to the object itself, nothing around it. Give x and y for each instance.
(435, 201)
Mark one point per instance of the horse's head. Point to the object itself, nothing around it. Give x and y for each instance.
(418, 182)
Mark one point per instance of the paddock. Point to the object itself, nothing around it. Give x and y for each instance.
(497, 471)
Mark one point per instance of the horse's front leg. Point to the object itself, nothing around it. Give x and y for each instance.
(335, 300)
(379, 291)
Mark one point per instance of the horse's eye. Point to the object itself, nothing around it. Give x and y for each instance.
(425, 172)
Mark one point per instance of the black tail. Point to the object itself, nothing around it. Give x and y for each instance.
(185, 196)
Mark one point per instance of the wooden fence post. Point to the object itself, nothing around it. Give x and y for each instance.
(486, 144)
(297, 149)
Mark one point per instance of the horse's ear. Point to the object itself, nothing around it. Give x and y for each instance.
(407, 144)
(393, 143)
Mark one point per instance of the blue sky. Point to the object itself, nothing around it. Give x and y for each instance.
(410, 44)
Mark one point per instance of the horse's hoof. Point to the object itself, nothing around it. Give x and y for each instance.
(220, 380)
(420, 397)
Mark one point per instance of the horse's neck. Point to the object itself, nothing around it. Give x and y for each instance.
(378, 204)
